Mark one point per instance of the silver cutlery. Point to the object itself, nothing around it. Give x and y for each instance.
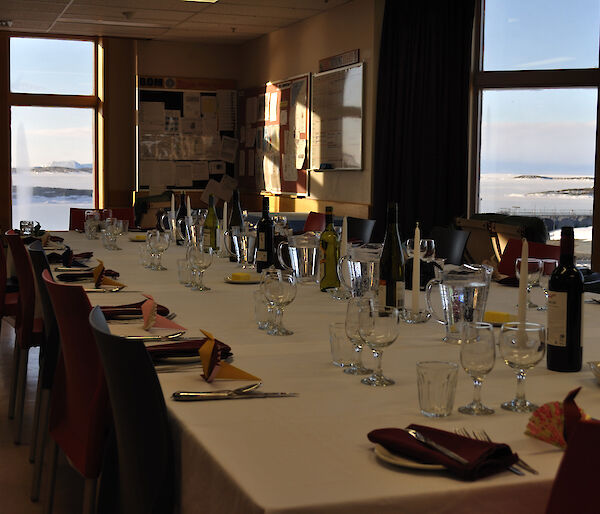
(109, 290)
(188, 396)
(432, 444)
(132, 319)
(169, 337)
(521, 463)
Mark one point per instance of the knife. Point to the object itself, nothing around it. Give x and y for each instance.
(190, 396)
(432, 444)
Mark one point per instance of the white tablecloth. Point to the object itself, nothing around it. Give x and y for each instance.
(311, 454)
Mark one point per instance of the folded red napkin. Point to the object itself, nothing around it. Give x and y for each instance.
(188, 348)
(153, 319)
(484, 458)
(75, 276)
(130, 309)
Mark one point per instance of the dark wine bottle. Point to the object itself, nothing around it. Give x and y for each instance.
(264, 232)
(565, 300)
(330, 254)
(236, 222)
(211, 224)
(391, 264)
(180, 214)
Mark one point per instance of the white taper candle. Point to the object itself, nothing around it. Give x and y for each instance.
(416, 271)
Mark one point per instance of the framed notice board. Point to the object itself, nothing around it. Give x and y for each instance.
(274, 122)
(336, 120)
(186, 135)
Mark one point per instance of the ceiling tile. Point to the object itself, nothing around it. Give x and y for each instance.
(231, 19)
(257, 10)
(106, 30)
(116, 13)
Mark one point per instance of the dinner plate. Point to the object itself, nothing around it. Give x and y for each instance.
(229, 280)
(397, 460)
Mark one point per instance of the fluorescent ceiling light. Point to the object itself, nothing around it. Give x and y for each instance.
(203, 1)
(119, 23)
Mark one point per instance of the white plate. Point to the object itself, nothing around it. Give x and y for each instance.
(251, 281)
(396, 460)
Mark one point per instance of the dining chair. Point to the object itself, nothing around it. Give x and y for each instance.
(315, 222)
(360, 229)
(124, 213)
(48, 358)
(144, 444)
(76, 218)
(80, 418)
(9, 296)
(450, 243)
(29, 330)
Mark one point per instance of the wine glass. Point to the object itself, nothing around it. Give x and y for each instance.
(549, 267)
(477, 357)
(158, 243)
(279, 288)
(534, 271)
(379, 327)
(522, 346)
(200, 258)
(426, 249)
(352, 331)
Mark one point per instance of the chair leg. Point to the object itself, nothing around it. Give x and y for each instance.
(89, 496)
(20, 399)
(36, 413)
(40, 446)
(13, 382)
(48, 506)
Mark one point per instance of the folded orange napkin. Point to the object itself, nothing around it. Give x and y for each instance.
(100, 279)
(212, 365)
(154, 320)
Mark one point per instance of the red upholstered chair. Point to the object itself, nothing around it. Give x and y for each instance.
(80, 416)
(124, 213)
(29, 329)
(315, 222)
(76, 218)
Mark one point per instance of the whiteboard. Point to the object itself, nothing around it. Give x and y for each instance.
(336, 119)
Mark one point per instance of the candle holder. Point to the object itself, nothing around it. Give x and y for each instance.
(418, 316)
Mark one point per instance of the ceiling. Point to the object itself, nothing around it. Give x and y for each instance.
(227, 21)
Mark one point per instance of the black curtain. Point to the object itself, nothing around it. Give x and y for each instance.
(421, 143)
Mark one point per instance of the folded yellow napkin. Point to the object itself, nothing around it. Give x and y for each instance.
(213, 367)
(100, 280)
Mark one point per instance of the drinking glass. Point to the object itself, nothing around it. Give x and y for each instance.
(279, 288)
(379, 327)
(426, 247)
(477, 357)
(200, 258)
(549, 266)
(522, 346)
(534, 271)
(158, 242)
(352, 331)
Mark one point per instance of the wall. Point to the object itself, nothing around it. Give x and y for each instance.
(297, 49)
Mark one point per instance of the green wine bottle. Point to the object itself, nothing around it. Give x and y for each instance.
(211, 224)
(391, 264)
(330, 254)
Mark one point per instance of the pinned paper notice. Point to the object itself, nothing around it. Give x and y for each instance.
(300, 152)
(212, 188)
(283, 118)
(200, 170)
(216, 167)
(191, 105)
(273, 106)
(229, 147)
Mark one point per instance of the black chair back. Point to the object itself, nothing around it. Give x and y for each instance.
(144, 445)
(51, 345)
(360, 229)
(450, 243)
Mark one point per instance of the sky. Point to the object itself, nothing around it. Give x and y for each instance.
(540, 131)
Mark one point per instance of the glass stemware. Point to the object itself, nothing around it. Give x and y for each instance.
(535, 267)
(200, 258)
(426, 248)
(549, 267)
(158, 242)
(477, 357)
(352, 331)
(379, 327)
(522, 346)
(279, 288)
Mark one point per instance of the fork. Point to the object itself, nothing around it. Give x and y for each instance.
(483, 434)
(464, 432)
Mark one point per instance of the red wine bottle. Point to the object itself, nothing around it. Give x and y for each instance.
(264, 233)
(391, 264)
(565, 299)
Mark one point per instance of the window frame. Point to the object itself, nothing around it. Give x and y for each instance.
(60, 100)
(524, 79)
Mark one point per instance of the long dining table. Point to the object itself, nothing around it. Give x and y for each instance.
(310, 453)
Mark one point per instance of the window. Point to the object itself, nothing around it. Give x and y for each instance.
(53, 107)
(535, 112)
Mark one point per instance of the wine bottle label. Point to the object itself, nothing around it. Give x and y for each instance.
(399, 295)
(557, 318)
(206, 238)
(261, 255)
(262, 243)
